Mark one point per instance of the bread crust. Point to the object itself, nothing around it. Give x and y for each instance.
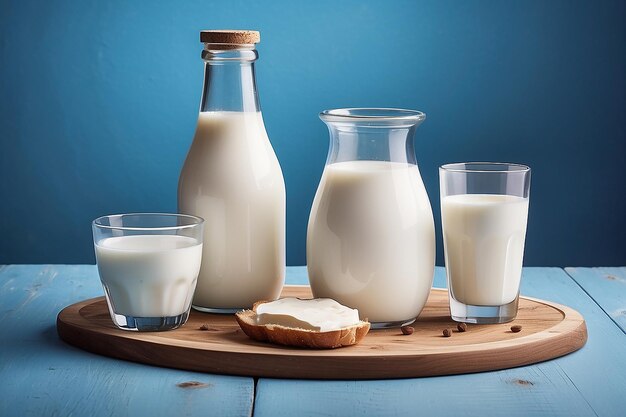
(290, 336)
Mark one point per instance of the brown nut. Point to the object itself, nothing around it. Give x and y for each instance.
(407, 330)
(447, 332)
(204, 327)
(516, 328)
(462, 327)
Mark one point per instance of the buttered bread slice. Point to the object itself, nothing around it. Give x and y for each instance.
(318, 323)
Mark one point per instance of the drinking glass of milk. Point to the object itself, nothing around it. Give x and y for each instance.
(484, 210)
(148, 264)
(371, 236)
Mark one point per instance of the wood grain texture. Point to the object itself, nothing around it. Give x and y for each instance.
(589, 382)
(549, 331)
(43, 376)
(607, 286)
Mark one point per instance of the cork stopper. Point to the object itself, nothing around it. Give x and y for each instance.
(236, 37)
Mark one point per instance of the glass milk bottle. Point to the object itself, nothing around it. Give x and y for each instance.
(371, 236)
(231, 178)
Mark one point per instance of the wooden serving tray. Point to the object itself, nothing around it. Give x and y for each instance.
(548, 331)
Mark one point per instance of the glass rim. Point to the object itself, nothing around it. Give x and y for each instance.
(466, 167)
(372, 114)
(197, 221)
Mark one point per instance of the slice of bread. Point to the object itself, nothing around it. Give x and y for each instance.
(292, 336)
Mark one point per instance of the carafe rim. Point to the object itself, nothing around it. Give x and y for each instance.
(372, 114)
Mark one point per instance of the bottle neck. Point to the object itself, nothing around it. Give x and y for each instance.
(229, 80)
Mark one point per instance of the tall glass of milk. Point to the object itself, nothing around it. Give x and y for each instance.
(148, 265)
(232, 179)
(371, 237)
(484, 211)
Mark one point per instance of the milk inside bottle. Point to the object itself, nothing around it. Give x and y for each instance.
(232, 179)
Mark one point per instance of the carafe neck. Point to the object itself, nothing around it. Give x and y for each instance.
(229, 80)
(372, 134)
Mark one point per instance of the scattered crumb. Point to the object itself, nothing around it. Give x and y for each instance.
(407, 330)
(205, 327)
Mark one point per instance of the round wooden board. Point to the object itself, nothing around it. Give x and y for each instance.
(548, 331)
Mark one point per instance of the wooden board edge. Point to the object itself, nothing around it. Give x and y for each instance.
(302, 367)
(243, 364)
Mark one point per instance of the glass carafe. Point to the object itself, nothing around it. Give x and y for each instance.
(231, 178)
(371, 236)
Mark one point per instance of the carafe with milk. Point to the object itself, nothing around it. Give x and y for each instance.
(371, 236)
(231, 178)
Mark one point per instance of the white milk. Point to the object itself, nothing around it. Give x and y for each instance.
(232, 179)
(484, 245)
(149, 275)
(371, 239)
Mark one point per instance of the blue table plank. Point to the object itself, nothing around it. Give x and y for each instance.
(589, 382)
(607, 286)
(42, 376)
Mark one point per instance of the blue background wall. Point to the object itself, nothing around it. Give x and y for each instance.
(99, 99)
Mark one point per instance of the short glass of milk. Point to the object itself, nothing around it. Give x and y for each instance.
(484, 211)
(148, 265)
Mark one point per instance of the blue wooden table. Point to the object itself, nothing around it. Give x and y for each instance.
(42, 376)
